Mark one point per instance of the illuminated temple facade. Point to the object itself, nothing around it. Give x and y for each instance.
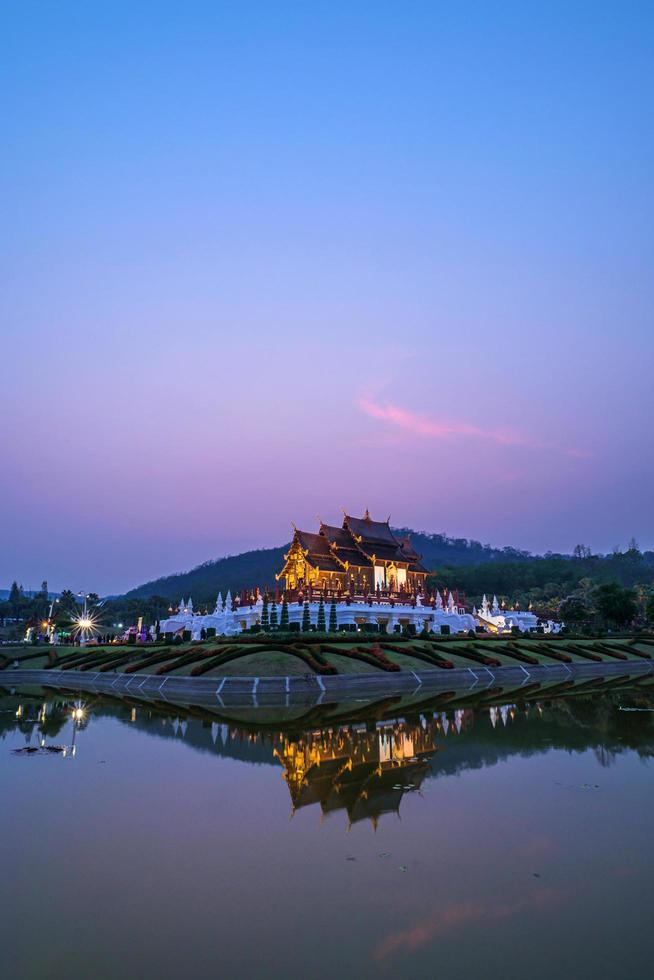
(362, 556)
(371, 575)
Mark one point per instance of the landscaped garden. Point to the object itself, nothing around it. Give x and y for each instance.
(256, 655)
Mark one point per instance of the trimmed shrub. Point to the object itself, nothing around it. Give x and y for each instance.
(373, 656)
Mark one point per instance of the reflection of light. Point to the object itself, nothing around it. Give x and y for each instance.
(78, 712)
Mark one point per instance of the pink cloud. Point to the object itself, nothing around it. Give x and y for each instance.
(431, 428)
(459, 915)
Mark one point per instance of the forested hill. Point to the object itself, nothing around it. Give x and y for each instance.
(258, 568)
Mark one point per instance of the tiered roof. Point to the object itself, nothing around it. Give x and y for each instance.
(365, 789)
(358, 543)
(318, 552)
(343, 545)
(376, 538)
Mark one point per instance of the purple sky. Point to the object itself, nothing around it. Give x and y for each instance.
(260, 264)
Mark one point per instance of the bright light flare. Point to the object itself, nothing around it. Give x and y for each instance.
(78, 712)
(85, 624)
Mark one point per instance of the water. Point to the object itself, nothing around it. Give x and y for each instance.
(177, 842)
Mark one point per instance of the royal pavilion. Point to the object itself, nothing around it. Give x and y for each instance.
(368, 572)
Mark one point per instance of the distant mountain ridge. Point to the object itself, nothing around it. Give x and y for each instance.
(259, 567)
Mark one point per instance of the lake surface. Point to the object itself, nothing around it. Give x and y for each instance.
(494, 837)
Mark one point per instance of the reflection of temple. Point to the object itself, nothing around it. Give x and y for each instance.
(364, 773)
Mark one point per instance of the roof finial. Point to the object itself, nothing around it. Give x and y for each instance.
(366, 516)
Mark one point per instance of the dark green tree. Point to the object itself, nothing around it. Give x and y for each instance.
(616, 606)
(67, 600)
(649, 608)
(333, 618)
(265, 620)
(15, 599)
(321, 625)
(306, 617)
(274, 618)
(573, 611)
(283, 623)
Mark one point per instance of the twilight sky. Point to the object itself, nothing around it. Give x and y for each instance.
(264, 260)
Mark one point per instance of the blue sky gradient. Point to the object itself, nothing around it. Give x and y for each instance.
(263, 260)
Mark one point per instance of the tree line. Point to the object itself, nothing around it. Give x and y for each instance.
(587, 591)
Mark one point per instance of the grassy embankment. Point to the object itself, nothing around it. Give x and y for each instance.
(299, 654)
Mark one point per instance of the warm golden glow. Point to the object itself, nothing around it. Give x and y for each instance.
(78, 712)
(85, 624)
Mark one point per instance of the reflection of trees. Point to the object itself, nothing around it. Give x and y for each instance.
(32, 715)
(478, 728)
(604, 756)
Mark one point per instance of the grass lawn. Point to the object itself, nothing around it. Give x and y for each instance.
(274, 660)
(275, 663)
